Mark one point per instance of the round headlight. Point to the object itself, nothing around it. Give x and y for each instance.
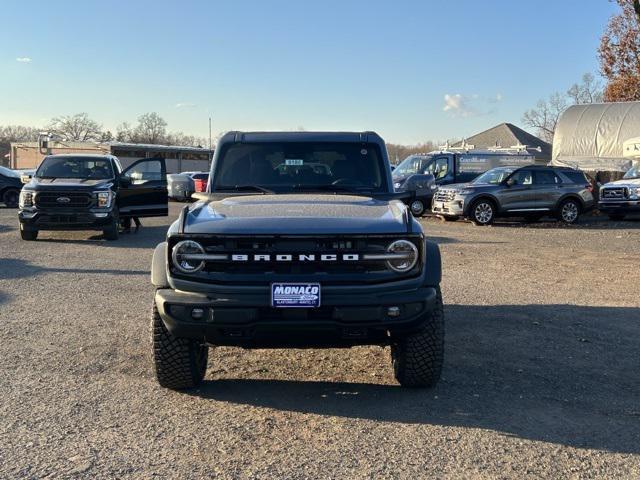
(407, 256)
(185, 256)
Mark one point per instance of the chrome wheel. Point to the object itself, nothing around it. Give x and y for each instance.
(417, 207)
(483, 213)
(569, 212)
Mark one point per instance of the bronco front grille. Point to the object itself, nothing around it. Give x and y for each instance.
(311, 267)
(444, 195)
(63, 200)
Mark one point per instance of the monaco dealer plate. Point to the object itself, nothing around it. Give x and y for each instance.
(295, 295)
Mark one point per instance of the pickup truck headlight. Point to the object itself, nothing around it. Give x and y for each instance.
(188, 256)
(406, 255)
(104, 199)
(634, 192)
(27, 198)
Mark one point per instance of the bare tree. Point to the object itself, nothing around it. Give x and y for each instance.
(14, 133)
(589, 91)
(544, 117)
(399, 152)
(78, 127)
(124, 133)
(151, 128)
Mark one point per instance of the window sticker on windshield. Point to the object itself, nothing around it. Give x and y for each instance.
(294, 161)
(363, 151)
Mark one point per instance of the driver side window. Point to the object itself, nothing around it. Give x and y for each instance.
(145, 172)
(523, 177)
(438, 168)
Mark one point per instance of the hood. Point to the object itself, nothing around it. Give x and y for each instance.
(624, 182)
(469, 186)
(297, 215)
(68, 183)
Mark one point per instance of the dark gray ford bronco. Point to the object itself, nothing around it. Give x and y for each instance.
(300, 241)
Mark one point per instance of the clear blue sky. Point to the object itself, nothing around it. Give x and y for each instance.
(361, 65)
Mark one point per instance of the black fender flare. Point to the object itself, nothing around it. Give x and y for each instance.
(159, 266)
(433, 264)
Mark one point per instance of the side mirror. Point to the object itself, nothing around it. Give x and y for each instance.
(125, 181)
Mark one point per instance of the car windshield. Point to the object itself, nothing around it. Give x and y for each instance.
(7, 172)
(300, 166)
(634, 172)
(494, 176)
(75, 167)
(411, 165)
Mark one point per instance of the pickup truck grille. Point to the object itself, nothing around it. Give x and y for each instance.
(280, 259)
(63, 200)
(614, 193)
(444, 195)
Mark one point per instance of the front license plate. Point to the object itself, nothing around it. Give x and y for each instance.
(295, 295)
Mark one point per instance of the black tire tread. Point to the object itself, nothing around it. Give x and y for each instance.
(28, 234)
(179, 363)
(5, 197)
(418, 358)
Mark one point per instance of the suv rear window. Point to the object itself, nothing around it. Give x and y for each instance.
(575, 176)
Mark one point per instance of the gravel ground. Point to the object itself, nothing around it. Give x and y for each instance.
(541, 376)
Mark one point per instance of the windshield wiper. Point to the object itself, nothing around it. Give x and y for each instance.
(239, 188)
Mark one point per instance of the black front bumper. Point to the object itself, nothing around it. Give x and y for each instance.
(66, 219)
(348, 316)
(620, 207)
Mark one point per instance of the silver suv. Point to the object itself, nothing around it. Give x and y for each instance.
(530, 192)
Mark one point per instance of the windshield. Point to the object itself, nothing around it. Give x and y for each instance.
(494, 176)
(75, 167)
(634, 172)
(7, 172)
(294, 166)
(411, 165)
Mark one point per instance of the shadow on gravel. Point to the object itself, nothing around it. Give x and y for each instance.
(563, 374)
(12, 268)
(6, 228)
(146, 237)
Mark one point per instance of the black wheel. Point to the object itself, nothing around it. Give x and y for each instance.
(179, 363)
(417, 208)
(112, 232)
(10, 198)
(450, 219)
(482, 212)
(616, 216)
(417, 359)
(28, 233)
(569, 211)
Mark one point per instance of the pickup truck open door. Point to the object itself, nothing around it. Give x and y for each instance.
(143, 189)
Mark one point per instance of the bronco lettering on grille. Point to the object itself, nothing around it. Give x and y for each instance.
(325, 257)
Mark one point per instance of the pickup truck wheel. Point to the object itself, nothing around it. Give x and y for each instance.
(569, 211)
(111, 232)
(27, 233)
(417, 208)
(482, 212)
(616, 216)
(10, 197)
(417, 359)
(179, 363)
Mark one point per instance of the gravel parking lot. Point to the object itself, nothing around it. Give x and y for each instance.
(541, 375)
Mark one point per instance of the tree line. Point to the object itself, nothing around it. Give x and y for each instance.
(150, 128)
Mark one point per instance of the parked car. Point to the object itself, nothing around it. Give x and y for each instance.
(270, 261)
(200, 180)
(424, 173)
(621, 197)
(180, 186)
(91, 192)
(10, 185)
(530, 192)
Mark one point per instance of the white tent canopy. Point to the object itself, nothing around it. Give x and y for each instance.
(592, 137)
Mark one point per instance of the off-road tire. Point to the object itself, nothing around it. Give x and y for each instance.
(27, 233)
(10, 197)
(179, 363)
(616, 217)
(417, 359)
(417, 208)
(111, 233)
(476, 217)
(569, 211)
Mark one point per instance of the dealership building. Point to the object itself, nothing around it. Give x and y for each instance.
(28, 155)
